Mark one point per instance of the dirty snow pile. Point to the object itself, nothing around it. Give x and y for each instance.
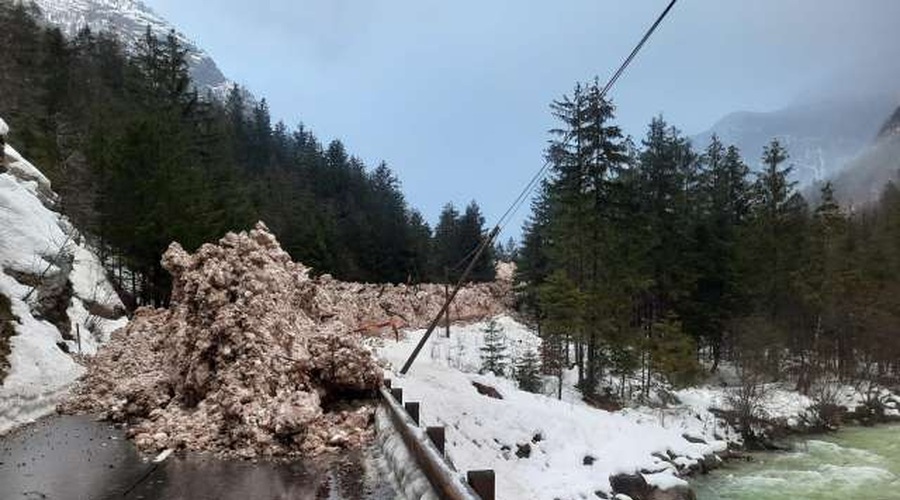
(541, 447)
(244, 362)
(56, 289)
(370, 307)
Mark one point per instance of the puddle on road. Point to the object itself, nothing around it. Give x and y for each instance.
(76, 457)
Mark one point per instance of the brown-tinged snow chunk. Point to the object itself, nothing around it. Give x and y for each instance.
(241, 363)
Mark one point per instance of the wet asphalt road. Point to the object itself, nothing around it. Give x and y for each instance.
(77, 458)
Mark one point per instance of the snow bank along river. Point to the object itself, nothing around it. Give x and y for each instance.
(854, 463)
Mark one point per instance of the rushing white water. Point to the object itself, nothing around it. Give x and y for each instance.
(857, 463)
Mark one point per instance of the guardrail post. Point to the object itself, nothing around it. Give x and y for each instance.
(482, 481)
(397, 393)
(437, 436)
(413, 410)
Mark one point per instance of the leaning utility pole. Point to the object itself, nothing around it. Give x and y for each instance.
(488, 240)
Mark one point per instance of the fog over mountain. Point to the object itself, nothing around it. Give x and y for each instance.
(825, 128)
(862, 180)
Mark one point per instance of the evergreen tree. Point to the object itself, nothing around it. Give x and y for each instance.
(532, 263)
(471, 234)
(562, 305)
(448, 248)
(587, 155)
(724, 201)
(456, 238)
(493, 353)
(528, 372)
(141, 160)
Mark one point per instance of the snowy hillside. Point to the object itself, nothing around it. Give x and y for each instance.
(56, 290)
(541, 447)
(129, 19)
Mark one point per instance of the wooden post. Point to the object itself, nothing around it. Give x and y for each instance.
(437, 436)
(459, 284)
(413, 410)
(397, 393)
(78, 336)
(482, 481)
(447, 294)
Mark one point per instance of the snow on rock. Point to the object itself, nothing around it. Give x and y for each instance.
(4, 128)
(129, 20)
(778, 403)
(37, 245)
(96, 310)
(539, 447)
(246, 361)
(40, 373)
(28, 176)
(30, 233)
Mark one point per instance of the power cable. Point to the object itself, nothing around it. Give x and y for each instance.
(524, 194)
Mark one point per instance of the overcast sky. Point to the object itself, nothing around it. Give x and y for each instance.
(454, 94)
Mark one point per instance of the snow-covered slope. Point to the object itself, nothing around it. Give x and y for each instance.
(545, 448)
(541, 447)
(38, 246)
(129, 19)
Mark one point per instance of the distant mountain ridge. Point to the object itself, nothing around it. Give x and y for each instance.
(821, 136)
(891, 127)
(863, 179)
(129, 20)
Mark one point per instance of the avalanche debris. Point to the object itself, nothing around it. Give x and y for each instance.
(254, 357)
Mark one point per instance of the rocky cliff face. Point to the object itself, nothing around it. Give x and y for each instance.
(129, 19)
(55, 300)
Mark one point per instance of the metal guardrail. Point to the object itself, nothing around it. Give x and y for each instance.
(427, 446)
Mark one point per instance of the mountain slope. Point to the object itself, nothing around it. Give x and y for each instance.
(129, 19)
(891, 127)
(862, 180)
(821, 136)
(55, 290)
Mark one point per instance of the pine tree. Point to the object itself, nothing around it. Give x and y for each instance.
(493, 353)
(527, 372)
(723, 194)
(447, 253)
(563, 307)
(533, 263)
(587, 155)
(471, 234)
(141, 159)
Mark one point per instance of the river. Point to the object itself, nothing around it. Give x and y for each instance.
(858, 463)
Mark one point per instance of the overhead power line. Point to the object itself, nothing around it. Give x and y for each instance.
(542, 172)
(524, 195)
